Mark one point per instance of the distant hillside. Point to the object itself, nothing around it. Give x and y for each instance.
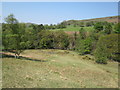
(112, 19)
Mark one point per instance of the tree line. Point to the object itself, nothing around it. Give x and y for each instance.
(102, 42)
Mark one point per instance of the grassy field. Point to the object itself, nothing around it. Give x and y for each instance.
(72, 28)
(58, 69)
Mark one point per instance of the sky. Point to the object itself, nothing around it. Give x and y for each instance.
(56, 12)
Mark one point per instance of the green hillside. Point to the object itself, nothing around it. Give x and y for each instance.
(61, 69)
(72, 28)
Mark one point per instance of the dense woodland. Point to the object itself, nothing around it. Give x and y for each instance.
(102, 41)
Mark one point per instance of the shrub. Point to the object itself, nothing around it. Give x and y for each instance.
(100, 53)
(117, 28)
(98, 27)
(53, 40)
(61, 40)
(108, 28)
(84, 46)
(107, 48)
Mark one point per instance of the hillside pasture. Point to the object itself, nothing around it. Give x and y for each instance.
(61, 69)
(72, 28)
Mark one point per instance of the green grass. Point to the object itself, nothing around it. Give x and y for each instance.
(72, 28)
(0, 73)
(63, 69)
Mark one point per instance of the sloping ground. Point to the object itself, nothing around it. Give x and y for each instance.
(72, 32)
(0, 73)
(63, 69)
(112, 19)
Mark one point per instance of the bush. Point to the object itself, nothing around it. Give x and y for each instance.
(100, 53)
(108, 28)
(53, 40)
(117, 28)
(107, 48)
(61, 40)
(98, 27)
(84, 46)
(101, 60)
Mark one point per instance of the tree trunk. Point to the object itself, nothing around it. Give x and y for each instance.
(15, 55)
(18, 55)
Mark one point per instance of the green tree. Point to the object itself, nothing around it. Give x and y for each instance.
(88, 24)
(84, 46)
(84, 42)
(82, 33)
(81, 24)
(101, 53)
(108, 28)
(46, 41)
(61, 40)
(98, 27)
(12, 36)
(32, 34)
(61, 25)
(40, 27)
(117, 28)
(107, 48)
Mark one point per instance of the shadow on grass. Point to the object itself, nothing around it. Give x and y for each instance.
(20, 57)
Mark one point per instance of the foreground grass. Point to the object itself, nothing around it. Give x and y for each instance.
(62, 69)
